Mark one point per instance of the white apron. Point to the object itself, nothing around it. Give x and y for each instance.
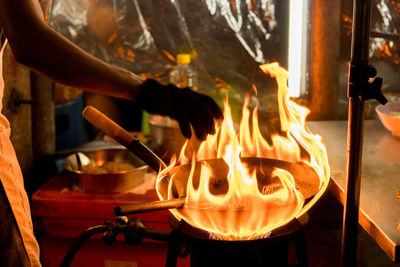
(12, 180)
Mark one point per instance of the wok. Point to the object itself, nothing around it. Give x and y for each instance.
(307, 181)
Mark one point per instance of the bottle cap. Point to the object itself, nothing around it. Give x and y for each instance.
(183, 58)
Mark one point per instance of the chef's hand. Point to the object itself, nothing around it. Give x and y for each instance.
(184, 105)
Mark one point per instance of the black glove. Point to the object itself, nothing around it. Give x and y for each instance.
(184, 105)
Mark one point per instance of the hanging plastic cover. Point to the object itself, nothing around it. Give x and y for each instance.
(384, 50)
(385, 31)
(228, 39)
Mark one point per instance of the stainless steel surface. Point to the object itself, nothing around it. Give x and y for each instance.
(117, 182)
(380, 178)
(167, 139)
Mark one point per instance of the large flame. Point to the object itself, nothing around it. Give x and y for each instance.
(244, 210)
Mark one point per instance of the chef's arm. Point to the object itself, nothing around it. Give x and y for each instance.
(42, 49)
(39, 47)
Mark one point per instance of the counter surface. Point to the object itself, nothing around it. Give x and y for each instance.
(380, 178)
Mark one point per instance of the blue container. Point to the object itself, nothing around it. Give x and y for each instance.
(69, 124)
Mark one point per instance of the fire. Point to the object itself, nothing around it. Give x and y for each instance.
(238, 186)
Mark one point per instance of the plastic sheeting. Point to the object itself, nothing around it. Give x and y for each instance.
(228, 39)
(385, 30)
(384, 44)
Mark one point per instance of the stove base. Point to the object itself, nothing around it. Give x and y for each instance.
(272, 251)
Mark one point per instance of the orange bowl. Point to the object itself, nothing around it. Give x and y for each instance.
(389, 115)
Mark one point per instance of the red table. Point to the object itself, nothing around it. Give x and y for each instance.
(60, 214)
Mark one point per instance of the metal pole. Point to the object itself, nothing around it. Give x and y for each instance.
(359, 56)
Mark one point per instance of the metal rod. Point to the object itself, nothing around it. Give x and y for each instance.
(69, 256)
(145, 154)
(359, 55)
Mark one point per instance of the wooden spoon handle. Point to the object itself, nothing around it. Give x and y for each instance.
(120, 135)
(150, 206)
(105, 124)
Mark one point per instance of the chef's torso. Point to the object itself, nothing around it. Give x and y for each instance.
(11, 177)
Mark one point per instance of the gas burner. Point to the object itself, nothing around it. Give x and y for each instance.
(205, 250)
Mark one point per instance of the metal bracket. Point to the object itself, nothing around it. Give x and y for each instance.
(16, 99)
(134, 230)
(359, 85)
